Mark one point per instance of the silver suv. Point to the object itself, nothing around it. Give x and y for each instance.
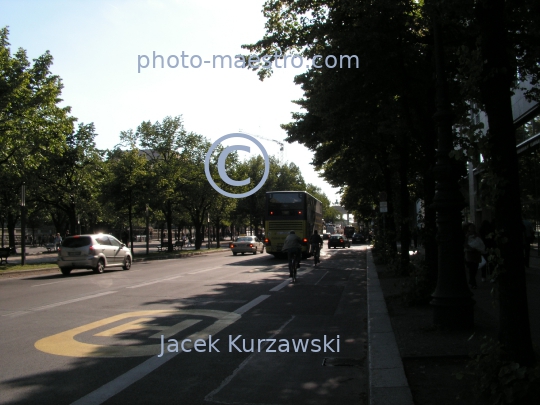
(92, 252)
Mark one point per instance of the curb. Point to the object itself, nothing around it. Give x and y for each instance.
(388, 384)
(32, 272)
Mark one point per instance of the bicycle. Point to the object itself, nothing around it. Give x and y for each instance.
(294, 263)
(316, 249)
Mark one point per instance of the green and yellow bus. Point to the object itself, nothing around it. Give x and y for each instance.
(291, 210)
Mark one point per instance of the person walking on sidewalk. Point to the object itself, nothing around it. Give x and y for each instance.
(57, 241)
(473, 247)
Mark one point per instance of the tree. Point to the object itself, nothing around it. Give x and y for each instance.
(31, 122)
(167, 146)
(124, 188)
(70, 181)
(32, 125)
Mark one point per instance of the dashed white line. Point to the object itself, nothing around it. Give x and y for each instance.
(120, 383)
(321, 278)
(226, 381)
(155, 281)
(57, 304)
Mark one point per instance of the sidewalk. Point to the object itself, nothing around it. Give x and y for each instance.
(411, 361)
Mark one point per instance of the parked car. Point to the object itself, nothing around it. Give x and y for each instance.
(338, 240)
(326, 236)
(247, 244)
(94, 252)
(358, 238)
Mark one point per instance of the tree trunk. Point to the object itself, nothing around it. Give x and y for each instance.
(390, 224)
(169, 226)
(515, 334)
(404, 201)
(11, 222)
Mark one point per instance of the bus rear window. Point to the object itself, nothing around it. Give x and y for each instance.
(285, 204)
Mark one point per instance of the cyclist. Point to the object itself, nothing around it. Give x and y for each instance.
(316, 243)
(293, 247)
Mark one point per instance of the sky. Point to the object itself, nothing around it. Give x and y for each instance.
(99, 50)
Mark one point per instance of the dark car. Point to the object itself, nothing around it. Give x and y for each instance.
(325, 236)
(338, 240)
(358, 238)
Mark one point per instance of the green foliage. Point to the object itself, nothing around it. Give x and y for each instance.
(418, 287)
(382, 251)
(499, 380)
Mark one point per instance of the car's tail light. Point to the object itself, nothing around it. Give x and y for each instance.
(251, 245)
(267, 242)
(341, 240)
(304, 241)
(91, 251)
(232, 245)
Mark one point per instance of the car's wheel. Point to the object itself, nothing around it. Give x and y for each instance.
(127, 263)
(234, 253)
(65, 271)
(255, 252)
(100, 267)
(243, 253)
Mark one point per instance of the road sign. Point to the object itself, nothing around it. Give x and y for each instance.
(383, 206)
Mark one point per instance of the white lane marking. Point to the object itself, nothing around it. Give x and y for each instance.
(155, 281)
(226, 381)
(287, 282)
(120, 383)
(57, 304)
(321, 277)
(282, 285)
(205, 270)
(251, 304)
(54, 282)
(171, 278)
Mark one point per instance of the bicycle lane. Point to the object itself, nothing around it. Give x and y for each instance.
(325, 310)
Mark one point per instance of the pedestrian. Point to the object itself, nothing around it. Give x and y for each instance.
(57, 241)
(125, 237)
(487, 234)
(473, 247)
(528, 238)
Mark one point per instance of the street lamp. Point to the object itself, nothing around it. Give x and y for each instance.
(23, 224)
(208, 230)
(147, 230)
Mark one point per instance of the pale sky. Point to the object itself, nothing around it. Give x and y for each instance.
(96, 46)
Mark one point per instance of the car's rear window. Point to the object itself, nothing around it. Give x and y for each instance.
(77, 242)
(336, 236)
(245, 239)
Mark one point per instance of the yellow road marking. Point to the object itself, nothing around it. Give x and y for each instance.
(65, 344)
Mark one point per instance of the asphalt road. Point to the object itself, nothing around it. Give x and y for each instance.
(97, 338)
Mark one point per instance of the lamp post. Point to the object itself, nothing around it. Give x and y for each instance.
(453, 306)
(208, 226)
(23, 224)
(147, 230)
